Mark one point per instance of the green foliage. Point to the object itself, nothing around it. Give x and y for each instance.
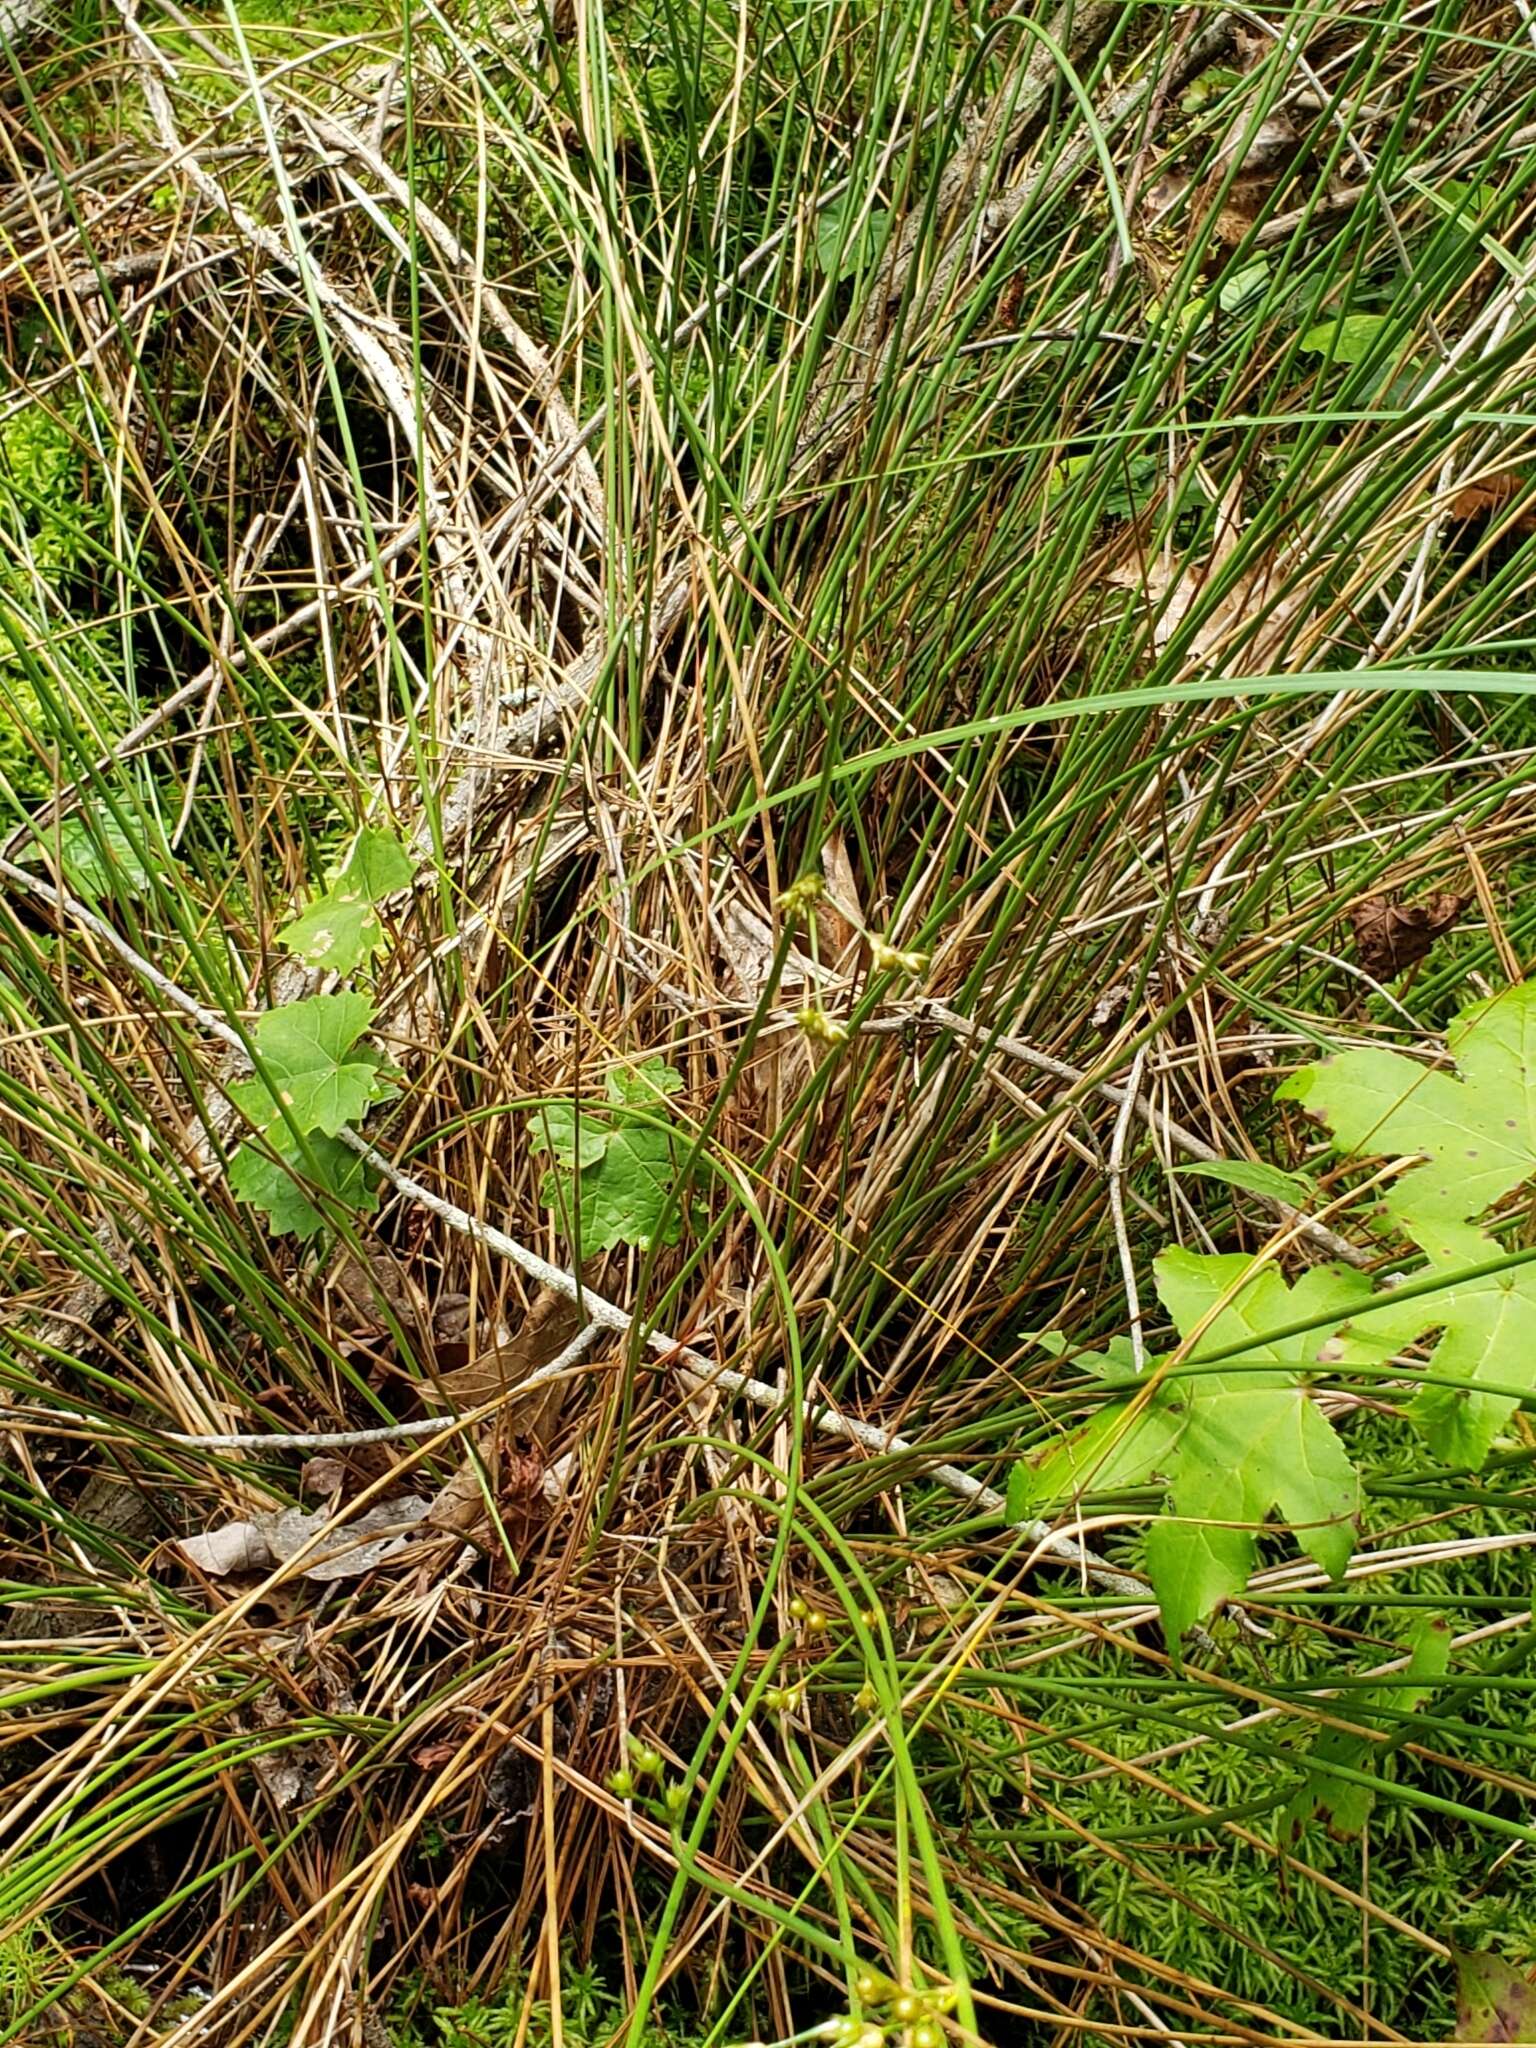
(592, 2014)
(847, 237)
(274, 1186)
(313, 1079)
(1230, 1445)
(1344, 1804)
(1493, 2002)
(59, 524)
(1253, 1176)
(1476, 1139)
(614, 1168)
(342, 929)
(55, 523)
(95, 856)
(1138, 1850)
(1349, 338)
(1476, 1133)
(313, 1075)
(29, 1967)
(678, 73)
(865, 499)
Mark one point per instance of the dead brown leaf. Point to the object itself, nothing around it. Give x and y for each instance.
(323, 1477)
(547, 1329)
(1486, 495)
(839, 913)
(550, 1325)
(371, 1287)
(434, 1755)
(748, 944)
(344, 1551)
(1261, 607)
(1267, 154)
(285, 1775)
(1391, 936)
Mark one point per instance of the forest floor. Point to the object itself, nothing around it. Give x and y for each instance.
(766, 797)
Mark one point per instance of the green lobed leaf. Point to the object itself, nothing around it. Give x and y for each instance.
(1475, 1130)
(1475, 1134)
(314, 1078)
(1483, 1342)
(1116, 1448)
(280, 1186)
(576, 1138)
(614, 1168)
(1343, 1805)
(644, 1086)
(335, 933)
(1115, 1364)
(1234, 1445)
(377, 866)
(1460, 201)
(342, 929)
(1243, 285)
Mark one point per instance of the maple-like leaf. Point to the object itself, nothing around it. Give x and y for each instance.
(1246, 1440)
(280, 1187)
(1345, 1804)
(341, 928)
(1474, 1130)
(313, 1076)
(1234, 1444)
(1251, 1440)
(1474, 1133)
(614, 1167)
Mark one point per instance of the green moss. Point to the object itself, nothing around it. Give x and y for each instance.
(1134, 1853)
(30, 1967)
(127, 1992)
(592, 2013)
(55, 532)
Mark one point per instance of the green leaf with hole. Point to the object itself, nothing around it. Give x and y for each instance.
(614, 1166)
(342, 930)
(1474, 1129)
(1472, 1133)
